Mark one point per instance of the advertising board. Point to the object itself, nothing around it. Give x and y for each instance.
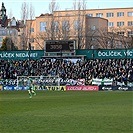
(83, 88)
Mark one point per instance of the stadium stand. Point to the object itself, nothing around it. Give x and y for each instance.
(120, 70)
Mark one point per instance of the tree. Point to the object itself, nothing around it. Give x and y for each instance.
(4, 46)
(29, 29)
(120, 37)
(10, 15)
(7, 44)
(24, 17)
(27, 14)
(80, 13)
(53, 6)
(50, 27)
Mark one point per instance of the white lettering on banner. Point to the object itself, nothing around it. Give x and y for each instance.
(109, 53)
(15, 88)
(18, 88)
(7, 88)
(22, 54)
(33, 54)
(90, 88)
(123, 88)
(26, 54)
(7, 55)
(128, 53)
(75, 88)
(106, 88)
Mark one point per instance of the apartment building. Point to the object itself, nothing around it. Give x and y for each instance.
(53, 27)
(118, 18)
(89, 28)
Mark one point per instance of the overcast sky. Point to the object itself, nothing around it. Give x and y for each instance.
(42, 6)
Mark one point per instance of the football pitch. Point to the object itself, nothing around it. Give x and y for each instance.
(66, 112)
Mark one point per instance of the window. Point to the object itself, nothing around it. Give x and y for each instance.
(43, 26)
(32, 40)
(65, 25)
(130, 33)
(130, 14)
(1, 39)
(90, 15)
(110, 14)
(110, 24)
(99, 14)
(32, 30)
(11, 31)
(120, 23)
(76, 25)
(69, 14)
(54, 26)
(93, 27)
(130, 23)
(120, 14)
(4, 32)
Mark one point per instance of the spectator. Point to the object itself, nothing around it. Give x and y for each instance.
(120, 70)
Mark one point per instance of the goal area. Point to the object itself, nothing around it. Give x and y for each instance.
(40, 82)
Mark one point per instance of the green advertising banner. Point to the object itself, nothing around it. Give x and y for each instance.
(114, 54)
(21, 55)
(88, 53)
(107, 54)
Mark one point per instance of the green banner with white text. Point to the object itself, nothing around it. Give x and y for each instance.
(107, 54)
(90, 54)
(21, 54)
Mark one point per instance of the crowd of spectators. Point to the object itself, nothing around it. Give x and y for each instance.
(120, 70)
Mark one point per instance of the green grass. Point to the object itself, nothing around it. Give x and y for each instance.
(66, 112)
